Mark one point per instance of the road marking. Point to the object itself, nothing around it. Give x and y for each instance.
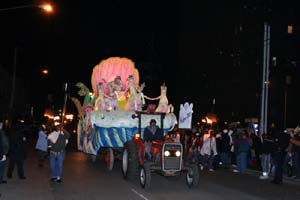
(139, 194)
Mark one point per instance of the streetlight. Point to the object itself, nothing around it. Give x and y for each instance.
(47, 7)
(45, 71)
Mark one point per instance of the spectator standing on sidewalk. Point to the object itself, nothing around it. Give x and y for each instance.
(17, 152)
(4, 147)
(281, 143)
(267, 149)
(225, 149)
(208, 150)
(42, 146)
(256, 145)
(58, 140)
(295, 151)
(243, 146)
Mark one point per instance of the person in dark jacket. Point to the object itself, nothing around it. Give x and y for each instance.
(152, 132)
(243, 146)
(295, 151)
(225, 147)
(266, 149)
(58, 141)
(4, 146)
(17, 151)
(281, 143)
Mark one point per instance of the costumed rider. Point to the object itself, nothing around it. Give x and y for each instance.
(152, 132)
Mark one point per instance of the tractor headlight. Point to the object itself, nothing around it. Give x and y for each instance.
(178, 153)
(167, 153)
(137, 136)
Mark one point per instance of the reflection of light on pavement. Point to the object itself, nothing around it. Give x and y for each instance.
(139, 194)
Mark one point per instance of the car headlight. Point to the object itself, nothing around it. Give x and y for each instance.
(178, 153)
(167, 153)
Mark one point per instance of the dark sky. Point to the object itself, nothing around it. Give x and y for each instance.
(201, 49)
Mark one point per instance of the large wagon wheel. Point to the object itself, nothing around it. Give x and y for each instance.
(109, 159)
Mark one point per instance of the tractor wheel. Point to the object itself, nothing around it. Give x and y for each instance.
(109, 159)
(145, 176)
(192, 176)
(130, 161)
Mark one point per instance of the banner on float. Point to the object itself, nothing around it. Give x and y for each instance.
(185, 116)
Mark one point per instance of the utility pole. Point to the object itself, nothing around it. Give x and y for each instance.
(13, 87)
(265, 81)
(65, 103)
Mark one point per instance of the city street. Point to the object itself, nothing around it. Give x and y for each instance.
(87, 180)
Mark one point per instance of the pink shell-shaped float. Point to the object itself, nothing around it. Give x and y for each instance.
(112, 67)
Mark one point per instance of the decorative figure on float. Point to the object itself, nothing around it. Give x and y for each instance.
(140, 97)
(135, 96)
(163, 104)
(131, 95)
(87, 106)
(100, 102)
(89, 99)
(115, 93)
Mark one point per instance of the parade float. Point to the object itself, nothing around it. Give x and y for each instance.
(112, 113)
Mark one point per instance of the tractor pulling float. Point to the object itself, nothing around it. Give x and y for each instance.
(112, 119)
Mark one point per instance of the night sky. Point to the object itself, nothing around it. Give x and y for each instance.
(200, 49)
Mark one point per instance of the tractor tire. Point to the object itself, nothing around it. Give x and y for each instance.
(145, 176)
(130, 161)
(192, 176)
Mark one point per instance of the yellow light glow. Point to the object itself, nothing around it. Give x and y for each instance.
(56, 123)
(69, 117)
(56, 118)
(137, 136)
(209, 121)
(45, 71)
(47, 7)
(290, 29)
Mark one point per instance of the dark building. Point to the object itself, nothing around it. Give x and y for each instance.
(20, 101)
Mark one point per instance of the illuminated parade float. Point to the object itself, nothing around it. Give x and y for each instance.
(107, 114)
(112, 119)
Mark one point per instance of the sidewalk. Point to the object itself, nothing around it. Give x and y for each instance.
(258, 173)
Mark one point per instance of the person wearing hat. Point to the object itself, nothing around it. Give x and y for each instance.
(152, 132)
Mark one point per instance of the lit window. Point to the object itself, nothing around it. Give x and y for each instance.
(290, 29)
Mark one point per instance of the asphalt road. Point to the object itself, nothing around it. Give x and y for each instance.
(87, 180)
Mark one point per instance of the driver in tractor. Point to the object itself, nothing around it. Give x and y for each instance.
(152, 132)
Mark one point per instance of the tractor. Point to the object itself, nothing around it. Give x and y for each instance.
(166, 160)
